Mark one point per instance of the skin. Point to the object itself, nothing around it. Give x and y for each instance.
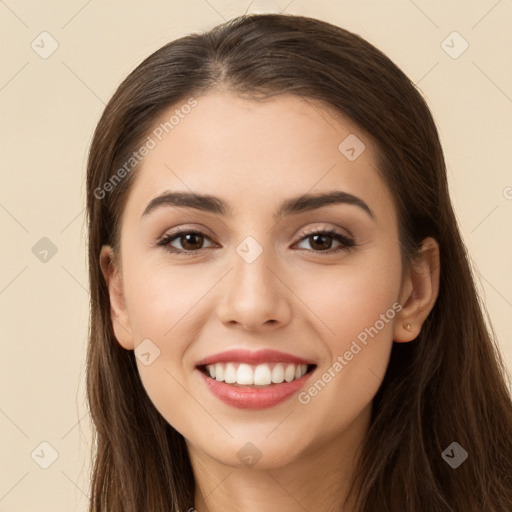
(254, 155)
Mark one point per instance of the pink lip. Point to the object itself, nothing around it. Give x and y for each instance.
(246, 356)
(253, 398)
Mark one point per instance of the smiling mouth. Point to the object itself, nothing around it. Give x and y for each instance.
(261, 375)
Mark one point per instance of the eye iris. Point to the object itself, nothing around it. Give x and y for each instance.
(189, 245)
(325, 245)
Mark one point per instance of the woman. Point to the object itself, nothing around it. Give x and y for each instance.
(283, 315)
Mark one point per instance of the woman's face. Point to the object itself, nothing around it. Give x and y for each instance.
(256, 276)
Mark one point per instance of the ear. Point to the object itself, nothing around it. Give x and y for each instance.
(118, 312)
(419, 292)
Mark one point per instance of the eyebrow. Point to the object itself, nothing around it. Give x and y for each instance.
(294, 205)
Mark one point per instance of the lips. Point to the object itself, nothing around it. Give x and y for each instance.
(251, 395)
(260, 356)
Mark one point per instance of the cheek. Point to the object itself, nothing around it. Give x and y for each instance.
(161, 298)
(162, 304)
(167, 389)
(356, 307)
(360, 321)
(350, 298)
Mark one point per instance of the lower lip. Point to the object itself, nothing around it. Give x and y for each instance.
(254, 398)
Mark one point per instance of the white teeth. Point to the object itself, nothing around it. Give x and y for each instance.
(289, 373)
(258, 375)
(262, 375)
(230, 373)
(219, 372)
(245, 375)
(278, 374)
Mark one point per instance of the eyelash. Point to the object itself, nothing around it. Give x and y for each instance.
(347, 243)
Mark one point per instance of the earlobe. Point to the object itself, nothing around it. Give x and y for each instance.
(118, 311)
(419, 292)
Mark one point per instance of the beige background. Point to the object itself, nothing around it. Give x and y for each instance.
(49, 108)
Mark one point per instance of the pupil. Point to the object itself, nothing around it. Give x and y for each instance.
(187, 240)
(321, 236)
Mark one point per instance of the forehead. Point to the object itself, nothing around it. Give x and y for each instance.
(257, 151)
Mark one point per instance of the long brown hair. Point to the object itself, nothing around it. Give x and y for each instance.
(447, 385)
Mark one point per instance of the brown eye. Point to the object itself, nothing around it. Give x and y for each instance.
(191, 241)
(187, 241)
(321, 241)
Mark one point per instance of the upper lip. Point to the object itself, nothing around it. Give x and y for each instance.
(253, 357)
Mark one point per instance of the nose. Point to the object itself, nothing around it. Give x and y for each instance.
(254, 295)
